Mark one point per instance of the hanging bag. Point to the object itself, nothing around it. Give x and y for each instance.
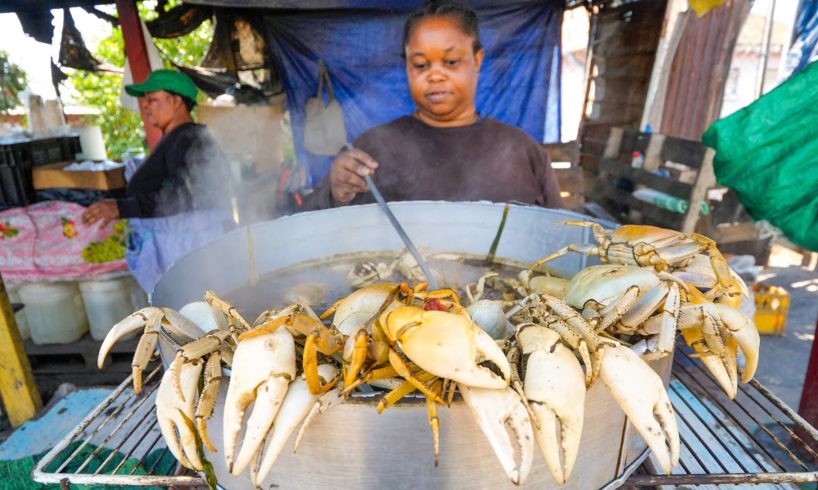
(324, 132)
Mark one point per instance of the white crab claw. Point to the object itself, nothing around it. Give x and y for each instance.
(263, 366)
(132, 323)
(175, 415)
(501, 413)
(295, 407)
(326, 401)
(746, 334)
(555, 388)
(640, 393)
(448, 345)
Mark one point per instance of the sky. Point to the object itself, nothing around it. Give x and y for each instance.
(34, 56)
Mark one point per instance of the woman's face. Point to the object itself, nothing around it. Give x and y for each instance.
(160, 107)
(442, 70)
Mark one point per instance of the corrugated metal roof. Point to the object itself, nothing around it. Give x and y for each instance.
(699, 69)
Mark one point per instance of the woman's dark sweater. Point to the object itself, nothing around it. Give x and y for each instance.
(487, 160)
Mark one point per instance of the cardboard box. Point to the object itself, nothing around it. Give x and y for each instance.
(53, 176)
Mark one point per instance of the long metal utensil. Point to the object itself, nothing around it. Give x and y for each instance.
(398, 228)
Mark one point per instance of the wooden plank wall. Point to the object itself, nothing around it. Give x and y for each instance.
(624, 49)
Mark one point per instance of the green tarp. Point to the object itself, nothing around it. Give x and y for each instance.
(768, 153)
(16, 475)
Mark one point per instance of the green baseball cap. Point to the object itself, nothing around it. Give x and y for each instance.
(168, 80)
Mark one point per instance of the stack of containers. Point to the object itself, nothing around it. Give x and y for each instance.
(54, 312)
(107, 301)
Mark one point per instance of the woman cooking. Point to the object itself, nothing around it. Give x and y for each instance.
(168, 208)
(445, 150)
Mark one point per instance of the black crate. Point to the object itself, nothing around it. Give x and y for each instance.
(19, 157)
(43, 151)
(15, 176)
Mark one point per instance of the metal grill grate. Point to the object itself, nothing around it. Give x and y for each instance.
(118, 443)
(755, 438)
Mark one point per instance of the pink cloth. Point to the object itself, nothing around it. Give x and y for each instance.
(44, 243)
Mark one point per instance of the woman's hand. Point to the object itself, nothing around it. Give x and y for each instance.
(346, 175)
(102, 211)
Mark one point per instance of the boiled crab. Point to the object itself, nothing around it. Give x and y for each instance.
(636, 387)
(620, 299)
(663, 249)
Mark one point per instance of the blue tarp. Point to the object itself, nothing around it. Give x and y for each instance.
(804, 48)
(519, 80)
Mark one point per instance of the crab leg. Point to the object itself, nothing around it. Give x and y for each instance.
(207, 399)
(434, 421)
(403, 369)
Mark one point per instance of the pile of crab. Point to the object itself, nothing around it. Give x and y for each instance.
(521, 355)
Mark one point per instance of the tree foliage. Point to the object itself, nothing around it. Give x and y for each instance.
(121, 128)
(12, 81)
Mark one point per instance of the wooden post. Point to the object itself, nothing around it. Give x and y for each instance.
(653, 153)
(808, 408)
(17, 387)
(614, 144)
(705, 180)
(137, 56)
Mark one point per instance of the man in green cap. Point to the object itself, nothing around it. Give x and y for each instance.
(162, 193)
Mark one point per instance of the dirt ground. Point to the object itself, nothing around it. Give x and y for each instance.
(783, 359)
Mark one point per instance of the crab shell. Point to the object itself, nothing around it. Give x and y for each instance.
(605, 283)
(360, 306)
(448, 345)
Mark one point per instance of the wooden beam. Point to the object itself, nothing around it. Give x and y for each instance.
(137, 56)
(21, 398)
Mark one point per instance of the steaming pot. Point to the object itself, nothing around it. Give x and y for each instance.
(351, 446)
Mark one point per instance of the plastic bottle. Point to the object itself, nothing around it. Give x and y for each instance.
(638, 159)
(666, 201)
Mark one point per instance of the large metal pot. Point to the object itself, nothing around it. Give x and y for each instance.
(351, 446)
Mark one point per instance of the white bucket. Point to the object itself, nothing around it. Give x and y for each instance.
(20, 317)
(55, 312)
(109, 301)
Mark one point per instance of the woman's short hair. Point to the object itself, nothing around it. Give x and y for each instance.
(465, 18)
(189, 103)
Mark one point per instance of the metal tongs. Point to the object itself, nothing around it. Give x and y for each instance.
(398, 228)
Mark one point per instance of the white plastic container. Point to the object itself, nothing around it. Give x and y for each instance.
(109, 301)
(20, 317)
(55, 312)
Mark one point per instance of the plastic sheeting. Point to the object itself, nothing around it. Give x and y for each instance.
(519, 80)
(768, 153)
(804, 48)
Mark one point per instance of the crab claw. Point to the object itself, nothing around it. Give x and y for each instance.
(132, 323)
(555, 388)
(744, 331)
(448, 345)
(175, 415)
(501, 413)
(263, 366)
(296, 405)
(640, 393)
